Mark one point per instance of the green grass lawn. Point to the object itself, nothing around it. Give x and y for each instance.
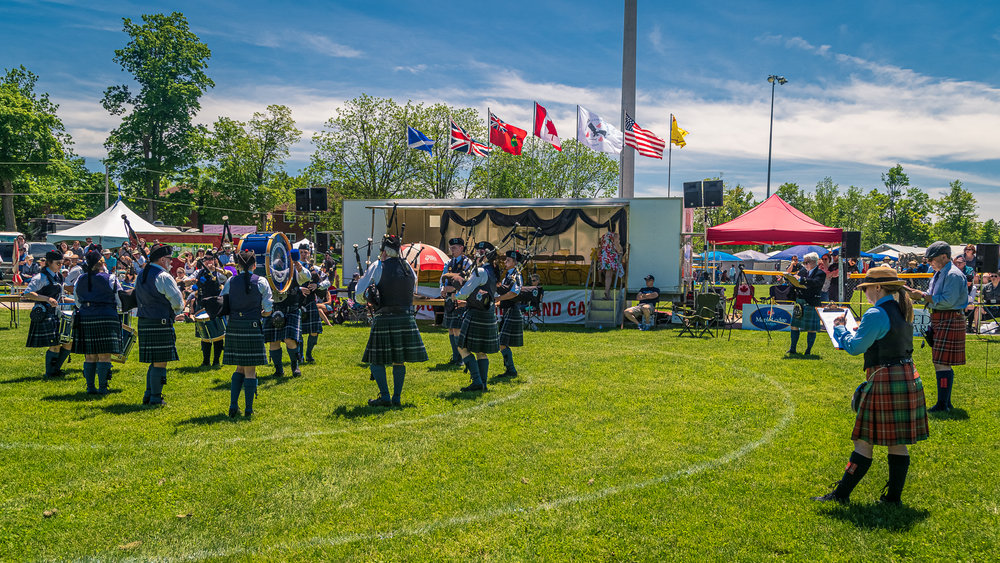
(614, 445)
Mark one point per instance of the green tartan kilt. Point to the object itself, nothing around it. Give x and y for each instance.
(809, 321)
(453, 318)
(479, 332)
(311, 323)
(511, 331)
(98, 335)
(44, 333)
(394, 339)
(157, 341)
(290, 331)
(244, 343)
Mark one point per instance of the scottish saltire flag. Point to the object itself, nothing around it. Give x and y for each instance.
(417, 140)
(461, 141)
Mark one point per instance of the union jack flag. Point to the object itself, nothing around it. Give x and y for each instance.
(643, 140)
(461, 141)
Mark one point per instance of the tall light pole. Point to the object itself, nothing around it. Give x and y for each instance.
(773, 79)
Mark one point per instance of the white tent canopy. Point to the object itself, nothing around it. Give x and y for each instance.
(752, 255)
(107, 229)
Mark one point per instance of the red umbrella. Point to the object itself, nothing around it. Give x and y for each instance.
(424, 256)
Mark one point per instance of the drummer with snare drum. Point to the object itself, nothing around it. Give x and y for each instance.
(46, 290)
(98, 334)
(208, 281)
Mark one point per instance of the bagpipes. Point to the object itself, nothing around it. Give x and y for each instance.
(127, 296)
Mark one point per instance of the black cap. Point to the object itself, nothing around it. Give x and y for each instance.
(456, 240)
(517, 256)
(160, 251)
(937, 249)
(391, 241)
(93, 257)
(649, 277)
(484, 245)
(53, 255)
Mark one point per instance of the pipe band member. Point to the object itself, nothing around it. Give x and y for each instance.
(312, 323)
(99, 328)
(209, 280)
(478, 336)
(946, 298)
(452, 279)
(287, 305)
(807, 299)
(46, 290)
(160, 303)
(394, 338)
(249, 303)
(891, 411)
(511, 330)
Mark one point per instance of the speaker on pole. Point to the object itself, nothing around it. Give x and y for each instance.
(851, 247)
(692, 195)
(317, 198)
(302, 199)
(712, 193)
(322, 243)
(987, 258)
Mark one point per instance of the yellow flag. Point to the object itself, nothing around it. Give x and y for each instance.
(676, 133)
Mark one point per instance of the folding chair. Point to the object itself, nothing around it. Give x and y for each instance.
(703, 318)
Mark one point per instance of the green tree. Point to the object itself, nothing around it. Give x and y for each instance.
(735, 202)
(824, 202)
(154, 140)
(68, 189)
(795, 196)
(443, 173)
(540, 171)
(989, 232)
(895, 181)
(957, 219)
(30, 131)
(915, 218)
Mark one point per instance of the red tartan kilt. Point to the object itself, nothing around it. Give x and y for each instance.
(894, 411)
(949, 338)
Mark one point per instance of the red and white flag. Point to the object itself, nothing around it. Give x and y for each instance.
(461, 141)
(643, 140)
(17, 271)
(544, 128)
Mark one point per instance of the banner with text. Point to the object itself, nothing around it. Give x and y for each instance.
(558, 307)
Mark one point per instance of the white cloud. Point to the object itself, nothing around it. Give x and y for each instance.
(411, 69)
(656, 38)
(324, 46)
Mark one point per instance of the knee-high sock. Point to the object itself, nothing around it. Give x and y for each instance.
(157, 375)
(218, 347)
(810, 339)
(293, 358)
(103, 374)
(276, 356)
(235, 386)
(795, 341)
(206, 352)
(508, 360)
(378, 372)
(855, 471)
(149, 384)
(89, 369)
(250, 390)
(50, 362)
(949, 379)
(311, 343)
(471, 363)
(63, 354)
(484, 368)
(398, 375)
(455, 356)
(945, 379)
(899, 465)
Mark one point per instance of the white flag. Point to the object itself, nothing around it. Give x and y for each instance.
(596, 133)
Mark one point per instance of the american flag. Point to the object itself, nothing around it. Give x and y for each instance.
(643, 140)
(463, 142)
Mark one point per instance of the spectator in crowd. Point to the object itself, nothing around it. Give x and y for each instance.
(76, 248)
(223, 256)
(63, 246)
(73, 270)
(924, 266)
(110, 262)
(911, 267)
(831, 272)
(732, 273)
(795, 268)
(29, 267)
(179, 275)
(353, 285)
(190, 264)
(970, 257)
(648, 297)
(991, 296)
(610, 259)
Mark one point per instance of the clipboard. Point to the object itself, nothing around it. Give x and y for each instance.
(793, 280)
(828, 316)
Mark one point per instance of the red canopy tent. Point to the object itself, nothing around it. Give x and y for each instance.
(773, 222)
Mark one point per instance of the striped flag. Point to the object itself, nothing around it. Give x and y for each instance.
(461, 141)
(643, 140)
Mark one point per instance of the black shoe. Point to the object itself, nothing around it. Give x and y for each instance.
(233, 413)
(215, 365)
(296, 372)
(885, 501)
(247, 414)
(396, 403)
(145, 400)
(474, 387)
(832, 495)
(278, 374)
(205, 365)
(58, 373)
(791, 353)
(310, 360)
(379, 402)
(938, 408)
(508, 373)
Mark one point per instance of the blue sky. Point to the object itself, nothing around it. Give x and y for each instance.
(870, 83)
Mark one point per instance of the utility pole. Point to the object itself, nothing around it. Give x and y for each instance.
(627, 181)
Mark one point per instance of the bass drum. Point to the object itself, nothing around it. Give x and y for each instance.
(274, 258)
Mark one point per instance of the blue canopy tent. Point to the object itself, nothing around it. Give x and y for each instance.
(877, 257)
(720, 256)
(799, 251)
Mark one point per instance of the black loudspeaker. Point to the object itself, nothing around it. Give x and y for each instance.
(322, 243)
(692, 195)
(988, 258)
(713, 193)
(852, 245)
(317, 197)
(302, 199)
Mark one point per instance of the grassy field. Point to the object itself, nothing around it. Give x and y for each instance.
(614, 445)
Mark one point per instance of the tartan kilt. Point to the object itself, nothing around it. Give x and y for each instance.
(44, 333)
(809, 321)
(949, 338)
(394, 339)
(98, 335)
(453, 318)
(244, 343)
(479, 332)
(311, 322)
(893, 412)
(292, 329)
(157, 342)
(511, 330)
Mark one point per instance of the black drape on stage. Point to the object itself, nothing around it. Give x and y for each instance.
(548, 227)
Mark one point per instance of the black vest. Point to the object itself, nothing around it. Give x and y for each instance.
(508, 282)
(897, 344)
(54, 288)
(396, 284)
(491, 283)
(152, 303)
(245, 298)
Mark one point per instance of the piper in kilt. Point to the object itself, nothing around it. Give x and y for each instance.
(394, 337)
(209, 280)
(160, 303)
(312, 323)
(452, 278)
(891, 410)
(99, 329)
(807, 299)
(46, 290)
(946, 298)
(479, 326)
(249, 302)
(511, 331)
(284, 323)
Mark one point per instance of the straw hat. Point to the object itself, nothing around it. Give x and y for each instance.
(881, 275)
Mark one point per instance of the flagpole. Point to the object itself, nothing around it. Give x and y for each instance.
(576, 156)
(670, 152)
(489, 154)
(534, 120)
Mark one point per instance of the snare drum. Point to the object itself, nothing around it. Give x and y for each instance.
(274, 259)
(128, 341)
(66, 325)
(207, 328)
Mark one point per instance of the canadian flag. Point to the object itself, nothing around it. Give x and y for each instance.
(544, 128)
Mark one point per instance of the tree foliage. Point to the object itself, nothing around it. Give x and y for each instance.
(956, 210)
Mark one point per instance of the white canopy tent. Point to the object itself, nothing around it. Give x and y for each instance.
(107, 228)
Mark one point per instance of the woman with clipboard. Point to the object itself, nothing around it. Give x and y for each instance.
(808, 283)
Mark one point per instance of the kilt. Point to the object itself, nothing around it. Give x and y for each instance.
(244, 343)
(453, 318)
(394, 339)
(809, 321)
(479, 332)
(893, 412)
(949, 338)
(311, 322)
(98, 335)
(291, 330)
(44, 333)
(156, 341)
(511, 331)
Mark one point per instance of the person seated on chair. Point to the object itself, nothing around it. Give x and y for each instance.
(991, 295)
(648, 298)
(807, 299)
